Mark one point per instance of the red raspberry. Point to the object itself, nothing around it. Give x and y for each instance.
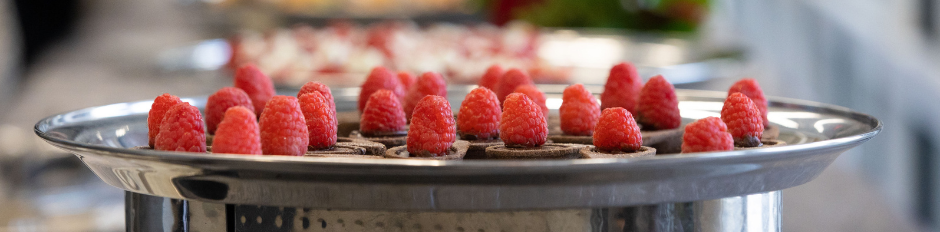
(617, 131)
(511, 80)
(658, 107)
(522, 124)
(238, 132)
(479, 115)
(182, 130)
(429, 83)
(159, 107)
(622, 88)
(257, 85)
(751, 89)
(491, 77)
(283, 128)
(707, 134)
(432, 129)
(383, 114)
(743, 120)
(220, 101)
(406, 79)
(535, 95)
(318, 87)
(579, 111)
(321, 120)
(379, 78)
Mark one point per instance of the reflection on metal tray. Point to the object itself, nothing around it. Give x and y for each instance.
(101, 136)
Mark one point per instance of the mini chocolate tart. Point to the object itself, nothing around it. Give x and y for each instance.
(391, 139)
(457, 151)
(591, 152)
(477, 149)
(478, 146)
(546, 151)
(350, 148)
(765, 144)
(576, 139)
(771, 132)
(664, 141)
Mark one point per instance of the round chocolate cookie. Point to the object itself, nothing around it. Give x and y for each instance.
(477, 148)
(393, 139)
(546, 151)
(457, 151)
(766, 143)
(591, 152)
(372, 148)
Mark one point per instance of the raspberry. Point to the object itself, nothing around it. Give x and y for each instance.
(379, 78)
(491, 77)
(751, 89)
(257, 85)
(522, 124)
(159, 107)
(535, 95)
(283, 128)
(617, 131)
(220, 101)
(318, 87)
(479, 115)
(182, 130)
(432, 129)
(511, 80)
(429, 83)
(238, 132)
(579, 111)
(658, 107)
(743, 120)
(622, 88)
(406, 79)
(707, 134)
(383, 114)
(321, 120)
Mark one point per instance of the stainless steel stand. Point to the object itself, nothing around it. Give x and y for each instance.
(755, 212)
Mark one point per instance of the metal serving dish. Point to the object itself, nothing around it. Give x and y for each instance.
(818, 133)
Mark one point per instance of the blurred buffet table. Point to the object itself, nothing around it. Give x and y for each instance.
(114, 57)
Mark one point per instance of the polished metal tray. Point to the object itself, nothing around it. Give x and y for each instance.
(818, 133)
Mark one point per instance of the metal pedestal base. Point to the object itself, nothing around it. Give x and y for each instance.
(756, 212)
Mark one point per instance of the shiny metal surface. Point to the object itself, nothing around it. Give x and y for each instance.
(818, 133)
(755, 212)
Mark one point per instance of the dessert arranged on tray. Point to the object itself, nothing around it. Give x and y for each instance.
(505, 117)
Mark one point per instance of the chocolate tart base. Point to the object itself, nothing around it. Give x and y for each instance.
(592, 153)
(576, 139)
(665, 141)
(345, 147)
(351, 148)
(477, 148)
(457, 151)
(766, 143)
(393, 140)
(771, 132)
(546, 151)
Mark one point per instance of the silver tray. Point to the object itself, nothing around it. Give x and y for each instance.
(100, 137)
